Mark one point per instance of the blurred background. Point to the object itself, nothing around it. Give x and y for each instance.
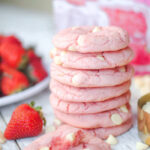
(30, 21)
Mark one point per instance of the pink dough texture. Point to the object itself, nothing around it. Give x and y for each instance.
(58, 141)
(88, 108)
(73, 94)
(91, 78)
(106, 39)
(89, 121)
(101, 60)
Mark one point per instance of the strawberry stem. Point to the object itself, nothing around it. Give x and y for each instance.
(39, 110)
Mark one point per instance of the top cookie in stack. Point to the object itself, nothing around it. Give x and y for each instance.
(91, 66)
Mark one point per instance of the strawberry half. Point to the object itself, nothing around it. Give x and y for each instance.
(26, 121)
(12, 80)
(12, 53)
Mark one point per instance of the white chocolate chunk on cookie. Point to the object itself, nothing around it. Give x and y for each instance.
(70, 137)
(72, 48)
(96, 29)
(63, 54)
(122, 69)
(53, 52)
(80, 40)
(57, 122)
(75, 80)
(141, 146)
(111, 140)
(44, 148)
(124, 109)
(99, 56)
(57, 60)
(116, 119)
(50, 128)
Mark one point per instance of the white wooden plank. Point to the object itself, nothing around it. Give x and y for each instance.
(8, 144)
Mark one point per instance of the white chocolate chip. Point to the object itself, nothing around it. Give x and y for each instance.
(44, 148)
(63, 53)
(57, 60)
(75, 80)
(116, 119)
(72, 48)
(80, 40)
(99, 56)
(70, 137)
(2, 138)
(50, 128)
(122, 69)
(124, 109)
(111, 140)
(96, 29)
(57, 122)
(141, 146)
(146, 107)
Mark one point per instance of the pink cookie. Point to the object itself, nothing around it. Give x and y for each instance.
(68, 138)
(91, 39)
(88, 108)
(103, 133)
(73, 94)
(92, 60)
(104, 119)
(91, 78)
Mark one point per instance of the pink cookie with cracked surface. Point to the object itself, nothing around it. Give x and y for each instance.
(88, 108)
(91, 78)
(102, 60)
(73, 94)
(103, 133)
(104, 119)
(68, 138)
(91, 39)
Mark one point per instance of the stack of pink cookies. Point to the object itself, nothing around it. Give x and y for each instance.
(91, 79)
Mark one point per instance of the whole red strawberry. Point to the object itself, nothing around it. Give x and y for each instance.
(12, 80)
(35, 69)
(26, 121)
(12, 52)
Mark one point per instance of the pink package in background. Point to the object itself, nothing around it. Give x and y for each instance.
(132, 15)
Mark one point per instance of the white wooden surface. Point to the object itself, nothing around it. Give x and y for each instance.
(37, 29)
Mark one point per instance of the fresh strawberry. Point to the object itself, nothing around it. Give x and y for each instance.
(26, 121)
(12, 53)
(12, 39)
(35, 69)
(31, 54)
(1, 38)
(12, 80)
